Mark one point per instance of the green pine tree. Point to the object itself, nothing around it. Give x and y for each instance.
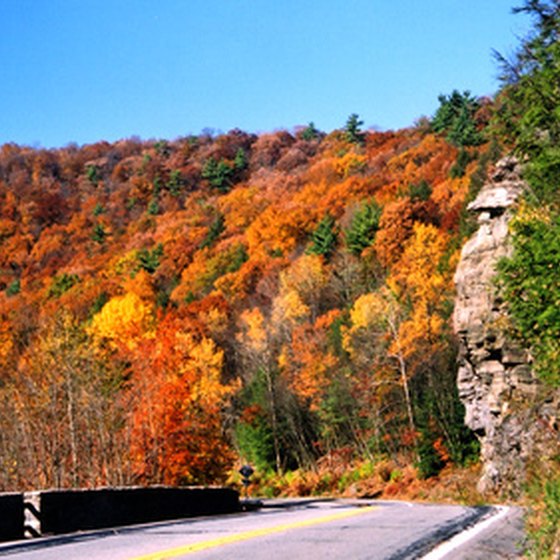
(310, 132)
(324, 238)
(363, 228)
(99, 234)
(218, 173)
(240, 162)
(175, 182)
(353, 131)
(455, 118)
(214, 231)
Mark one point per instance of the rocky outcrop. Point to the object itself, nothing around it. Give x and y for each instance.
(495, 378)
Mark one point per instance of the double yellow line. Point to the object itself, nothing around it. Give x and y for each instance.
(247, 535)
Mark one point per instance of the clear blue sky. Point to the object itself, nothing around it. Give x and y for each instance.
(87, 70)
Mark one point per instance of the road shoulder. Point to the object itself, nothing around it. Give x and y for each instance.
(503, 539)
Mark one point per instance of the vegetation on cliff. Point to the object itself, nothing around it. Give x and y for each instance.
(528, 119)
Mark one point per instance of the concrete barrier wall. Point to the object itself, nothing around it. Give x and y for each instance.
(11, 517)
(65, 511)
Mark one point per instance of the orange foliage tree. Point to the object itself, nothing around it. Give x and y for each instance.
(176, 398)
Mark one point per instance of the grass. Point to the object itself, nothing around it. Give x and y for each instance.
(543, 521)
(383, 478)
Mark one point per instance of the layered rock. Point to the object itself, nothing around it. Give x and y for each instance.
(495, 378)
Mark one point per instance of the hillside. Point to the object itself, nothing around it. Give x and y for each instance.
(171, 307)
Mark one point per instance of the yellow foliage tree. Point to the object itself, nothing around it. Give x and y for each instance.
(397, 332)
(253, 332)
(350, 163)
(123, 321)
(378, 320)
(288, 309)
(366, 309)
(206, 360)
(419, 279)
(307, 277)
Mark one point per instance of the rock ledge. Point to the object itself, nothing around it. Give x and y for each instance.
(495, 378)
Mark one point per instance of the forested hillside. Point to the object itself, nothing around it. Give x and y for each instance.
(170, 309)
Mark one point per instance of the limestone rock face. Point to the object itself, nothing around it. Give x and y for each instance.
(495, 379)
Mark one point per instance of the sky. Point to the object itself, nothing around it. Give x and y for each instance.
(81, 71)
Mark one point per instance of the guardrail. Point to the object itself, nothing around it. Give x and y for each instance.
(11, 517)
(55, 512)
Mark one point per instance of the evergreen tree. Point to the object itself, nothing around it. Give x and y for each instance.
(310, 132)
(531, 286)
(528, 111)
(353, 131)
(14, 288)
(455, 118)
(460, 166)
(149, 260)
(99, 234)
(215, 230)
(363, 228)
(175, 182)
(420, 191)
(529, 116)
(241, 162)
(92, 173)
(218, 173)
(324, 238)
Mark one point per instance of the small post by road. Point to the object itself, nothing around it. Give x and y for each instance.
(246, 471)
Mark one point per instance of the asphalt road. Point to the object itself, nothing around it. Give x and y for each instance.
(290, 530)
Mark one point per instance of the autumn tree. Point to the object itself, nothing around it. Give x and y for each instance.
(313, 365)
(123, 320)
(257, 347)
(422, 281)
(176, 399)
(65, 402)
(374, 342)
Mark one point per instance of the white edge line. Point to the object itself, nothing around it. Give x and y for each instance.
(448, 546)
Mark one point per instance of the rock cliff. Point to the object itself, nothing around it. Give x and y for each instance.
(495, 378)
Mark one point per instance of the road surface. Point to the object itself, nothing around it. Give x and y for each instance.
(287, 530)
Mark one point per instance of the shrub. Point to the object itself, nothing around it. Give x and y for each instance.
(14, 288)
(62, 283)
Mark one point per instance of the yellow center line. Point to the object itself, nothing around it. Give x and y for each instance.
(238, 537)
